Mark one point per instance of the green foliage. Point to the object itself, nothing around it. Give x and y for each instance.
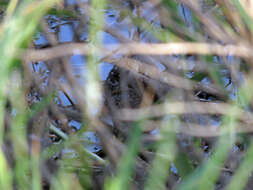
(244, 15)
(16, 33)
(183, 164)
(122, 178)
(12, 40)
(199, 76)
(62, 13)
(165, 155)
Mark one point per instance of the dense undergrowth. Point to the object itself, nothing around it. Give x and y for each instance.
(116, 94)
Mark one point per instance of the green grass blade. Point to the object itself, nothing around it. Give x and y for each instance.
(242, 174)
(164, 157)
(125, 168)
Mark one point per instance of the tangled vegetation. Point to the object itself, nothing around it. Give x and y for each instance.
(126, 94)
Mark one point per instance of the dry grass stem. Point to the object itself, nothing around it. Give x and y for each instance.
(197, 130)
(141, 48)
(185, 108)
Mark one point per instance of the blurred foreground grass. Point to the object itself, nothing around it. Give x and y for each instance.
(170, 156)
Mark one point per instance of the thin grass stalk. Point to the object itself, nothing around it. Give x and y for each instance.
(35, 170)
(212, 168)
(12, 38)
(18, 132)
(124, 172)
(65, 181)
(242, 174)
(92, 87)
(206, 175)
(5, 173)
(164, 157)
(83, 151)
(244, 15)
(11, 8)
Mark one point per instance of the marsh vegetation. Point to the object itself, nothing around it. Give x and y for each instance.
(126, 94)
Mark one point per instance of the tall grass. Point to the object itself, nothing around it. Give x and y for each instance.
(22, 155)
